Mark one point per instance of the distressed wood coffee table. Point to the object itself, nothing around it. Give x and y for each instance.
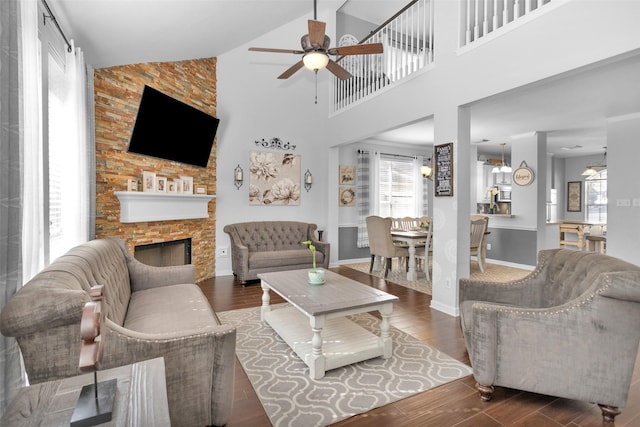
(315, 325)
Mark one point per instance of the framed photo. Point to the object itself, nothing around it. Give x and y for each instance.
(132, 184)
(574, 196)
(161, 184)
(178, 184)
(347, 175)
(187, 184)
(347, 196)
(148, 181)
(201, 189)
(172, 187)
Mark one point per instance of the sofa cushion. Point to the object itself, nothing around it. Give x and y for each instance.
(283, 257)
(169, 309)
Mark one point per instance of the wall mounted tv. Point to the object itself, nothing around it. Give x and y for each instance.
(172, 130)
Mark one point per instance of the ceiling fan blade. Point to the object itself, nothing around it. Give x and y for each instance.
(358, 49)
(316, 33)
(289, 72)
(336, 69)
(266, 49)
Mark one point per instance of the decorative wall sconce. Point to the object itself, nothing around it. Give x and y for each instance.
(308, 180)
(426, 170)
(238, 177)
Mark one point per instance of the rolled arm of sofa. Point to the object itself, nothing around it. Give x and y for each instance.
(32, 310)
(143, 276)
(199, 367)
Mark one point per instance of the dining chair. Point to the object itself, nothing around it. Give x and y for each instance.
(479, 227)
(381, 244)
(424, 251)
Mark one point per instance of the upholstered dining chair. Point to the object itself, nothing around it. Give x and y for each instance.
(381, 243)
(570, 329)
(479, 225)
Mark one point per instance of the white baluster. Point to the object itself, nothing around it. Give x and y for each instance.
(476, 29)
(495, 14)
(505, 12)
(527, 6)
(468, 32)
(516, 9)
(485, 23)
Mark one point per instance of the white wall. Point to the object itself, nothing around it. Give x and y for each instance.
(253, 104)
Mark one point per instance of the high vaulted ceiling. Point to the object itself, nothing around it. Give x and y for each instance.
(573, 109)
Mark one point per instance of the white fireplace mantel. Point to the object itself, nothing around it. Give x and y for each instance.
(138, 206)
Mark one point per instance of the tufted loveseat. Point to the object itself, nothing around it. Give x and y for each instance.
(264, 246)
(149, 312)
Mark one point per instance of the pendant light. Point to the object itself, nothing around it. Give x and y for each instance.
(503, 166)
(592, 170)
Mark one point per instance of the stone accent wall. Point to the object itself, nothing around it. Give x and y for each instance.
(117, 93)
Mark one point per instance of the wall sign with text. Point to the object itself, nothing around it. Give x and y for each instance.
(443, 174)
(523, 175)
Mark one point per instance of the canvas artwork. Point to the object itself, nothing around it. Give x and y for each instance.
(274, 178)
(347, 196)
(347, 175)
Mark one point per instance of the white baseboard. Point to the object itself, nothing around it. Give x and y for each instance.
(511, 264)
(447, 309)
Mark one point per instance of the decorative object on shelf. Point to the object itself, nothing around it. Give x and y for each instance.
(347, 175)
(161, 184)
(132, 184)
(426, 170)
(503, 166)
(574, 196)
(201, 189)
(187, 184)
(492, 191)
(275, 143)
(347, 197)
(178, 184)
(523, 175)
(316, 277)
(274, 178)
(95, 404)
(238, 176)
(308, 180)
(443, 172)
(148, 181)
(595, 169)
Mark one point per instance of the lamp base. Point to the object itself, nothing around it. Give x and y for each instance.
(91, 411)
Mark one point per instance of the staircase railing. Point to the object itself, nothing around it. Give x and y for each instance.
(407, 39)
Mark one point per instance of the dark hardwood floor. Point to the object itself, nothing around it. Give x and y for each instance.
(453, 404)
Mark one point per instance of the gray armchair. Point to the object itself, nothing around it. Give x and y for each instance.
(569, 329)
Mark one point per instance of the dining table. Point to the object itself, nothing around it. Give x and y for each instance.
(411, 238)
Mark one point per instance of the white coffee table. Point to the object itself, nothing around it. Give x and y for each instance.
(314, 324)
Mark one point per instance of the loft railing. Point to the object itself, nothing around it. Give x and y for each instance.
(481, 17)
(407, 39)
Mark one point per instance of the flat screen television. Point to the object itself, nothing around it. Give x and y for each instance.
(172, 130)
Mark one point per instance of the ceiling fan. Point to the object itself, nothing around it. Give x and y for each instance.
(315, 51)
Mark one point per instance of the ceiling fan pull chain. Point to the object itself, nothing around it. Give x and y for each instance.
(316, 85)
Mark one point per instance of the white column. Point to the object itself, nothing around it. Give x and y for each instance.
(451, 214)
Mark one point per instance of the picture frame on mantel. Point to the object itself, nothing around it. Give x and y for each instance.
(574, 196)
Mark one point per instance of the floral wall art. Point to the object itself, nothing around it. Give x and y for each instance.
(274, 178)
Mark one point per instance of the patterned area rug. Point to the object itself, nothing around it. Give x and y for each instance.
(397, 275)
(291, 398)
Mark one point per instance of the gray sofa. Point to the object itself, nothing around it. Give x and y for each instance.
(150, 312)
(264, 246)
(570, 329)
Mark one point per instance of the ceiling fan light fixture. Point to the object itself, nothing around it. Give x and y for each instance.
(315, 60)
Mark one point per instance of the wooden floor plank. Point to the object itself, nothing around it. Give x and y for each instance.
(454, 404)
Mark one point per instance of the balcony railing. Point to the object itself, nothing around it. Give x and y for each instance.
(479, 18)
(407, 40)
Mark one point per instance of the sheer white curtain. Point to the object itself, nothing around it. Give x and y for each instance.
(68, 148)
(32, 193)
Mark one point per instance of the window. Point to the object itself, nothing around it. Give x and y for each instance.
(400, 191)
(596, 198)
